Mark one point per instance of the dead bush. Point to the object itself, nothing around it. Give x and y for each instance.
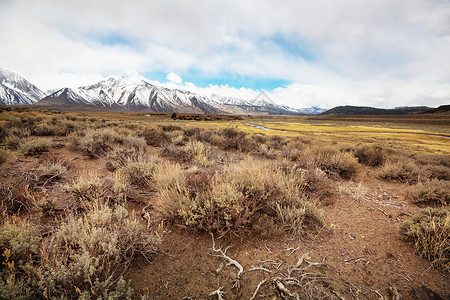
(50, 171)
(370, 155)
(429, 230)
(13, 199)
(430, 191)
(139, 173)
(176, 153)
(155, 137)
(170, 128)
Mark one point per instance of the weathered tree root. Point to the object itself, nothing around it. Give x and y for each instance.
(219, 293)
(228, 260)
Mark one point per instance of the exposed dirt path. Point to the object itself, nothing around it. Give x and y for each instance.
(364, 255)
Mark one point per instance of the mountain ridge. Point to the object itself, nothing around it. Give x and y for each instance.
(15, 89)
(367, 110)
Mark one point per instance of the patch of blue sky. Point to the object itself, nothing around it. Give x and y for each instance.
(289, 45)
(232, 80)
(113, 39)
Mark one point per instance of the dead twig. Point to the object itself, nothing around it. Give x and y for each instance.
(258, 269)
(228, 260)
(395, 294)
(257, 288)
(378, 293)
(285, 291)
(219, 293)
(356, 259)
(292, 250)
(383, 212)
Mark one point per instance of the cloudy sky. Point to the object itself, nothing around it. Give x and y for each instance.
(382, 53)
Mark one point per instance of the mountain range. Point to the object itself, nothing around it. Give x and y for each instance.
(120, 93)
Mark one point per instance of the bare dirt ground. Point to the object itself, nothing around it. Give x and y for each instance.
(358, 254)
(361, 252)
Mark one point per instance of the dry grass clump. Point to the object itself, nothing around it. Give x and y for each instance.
(370, 155)
(54, 127)
(355, 191)
(430, 191)
(90, 188)
(50, 172)
(86, 256)
(437, 172)
(399, 168)
(264, 150)
(315, 184)
(3, 155)
(139, 173)
(95, 143)
(12, 142)
(34, 147)
(331, 160)
(201, 152)
(169, 176)
(430, 232)
(244, 197)
(121, 156)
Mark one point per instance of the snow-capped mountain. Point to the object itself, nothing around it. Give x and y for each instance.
(15, 89)
(136, 94)
(121, 93)
(118, 92)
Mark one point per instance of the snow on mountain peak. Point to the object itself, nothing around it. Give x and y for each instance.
(15, 89)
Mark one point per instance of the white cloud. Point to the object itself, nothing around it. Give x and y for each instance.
(174, 78)
(384, 53)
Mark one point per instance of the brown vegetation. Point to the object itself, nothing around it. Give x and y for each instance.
(88, 199)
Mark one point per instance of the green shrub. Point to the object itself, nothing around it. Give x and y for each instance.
(12, 142)
(121, 156)
(86, 256)
(21, 239)
(237, 199)
(50, 172)
(432, 191)
(200, 151)
(91, 188)
(3, 155)
(430, 232)
(331, 160)
(95, 143)
(400, 169)
(19, 242)
(34, 147)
